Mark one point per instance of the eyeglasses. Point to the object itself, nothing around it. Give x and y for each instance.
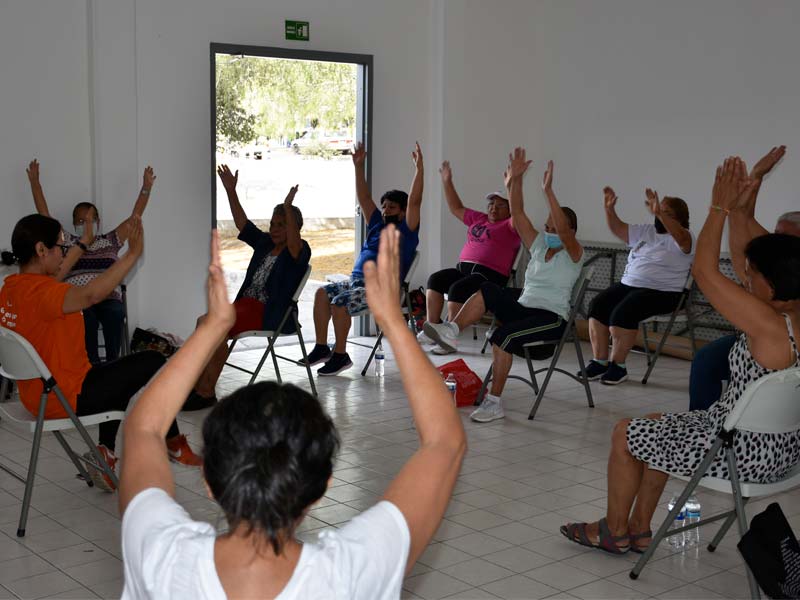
(64, 249)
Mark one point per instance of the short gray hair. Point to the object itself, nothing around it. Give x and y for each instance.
(790, 217)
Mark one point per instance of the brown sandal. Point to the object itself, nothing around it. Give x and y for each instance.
(606, 542)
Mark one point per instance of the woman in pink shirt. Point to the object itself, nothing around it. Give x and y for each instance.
(487, 256)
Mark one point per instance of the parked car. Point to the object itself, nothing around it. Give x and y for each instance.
(339, 141)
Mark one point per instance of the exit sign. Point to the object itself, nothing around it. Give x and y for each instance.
(297, 30)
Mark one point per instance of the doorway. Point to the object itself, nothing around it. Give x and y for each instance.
(283, 117)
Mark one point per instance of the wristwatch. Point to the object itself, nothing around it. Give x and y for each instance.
(81, 245)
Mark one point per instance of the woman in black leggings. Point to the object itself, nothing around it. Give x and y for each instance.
(658, 266)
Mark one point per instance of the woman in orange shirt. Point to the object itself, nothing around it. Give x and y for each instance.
(47, 313)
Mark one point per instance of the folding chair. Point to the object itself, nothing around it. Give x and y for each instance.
(512, 278)
(681, 314)
(768, 405)
(405, 303)
(125, 342)
(576, 301)
(20, 362)
(291, 311)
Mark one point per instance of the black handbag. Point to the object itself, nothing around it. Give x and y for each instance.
(147, 340)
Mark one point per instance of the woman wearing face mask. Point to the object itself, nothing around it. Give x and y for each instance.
(93, 252)
(658, 265)
(487, 256)
(537, 311)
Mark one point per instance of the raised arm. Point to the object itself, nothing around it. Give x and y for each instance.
(76, 251)
(144, 458)
(617, 226)
(678, 232)
(36, 188)
(293, 241)
(450, 194)
(424, 485)
(365, 200)
(148, 179)
(78, 298)
(229, 181)
(742, 224)
(744, 310)
(417, 185)
(513, 175)
(560, 220)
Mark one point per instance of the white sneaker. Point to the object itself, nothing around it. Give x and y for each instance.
(440, 351)
(423, 338)
(489, 410)
(443, 334)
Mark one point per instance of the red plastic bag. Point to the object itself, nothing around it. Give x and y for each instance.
(468, 384)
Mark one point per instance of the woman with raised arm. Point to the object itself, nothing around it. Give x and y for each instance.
(539, 310)
(487, 255)
(47, 313)
(269, 451)
(279, 262)
(658, 266)
(644, 452)
(91, 253)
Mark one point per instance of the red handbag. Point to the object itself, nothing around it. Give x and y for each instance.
(468, 384)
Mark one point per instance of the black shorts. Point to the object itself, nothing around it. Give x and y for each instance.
(520, 325)
(463, 281)
(625, 306)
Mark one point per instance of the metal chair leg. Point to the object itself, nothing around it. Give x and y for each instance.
(550, 370)
(484, 386)
(305, 356)
(741, 517)
(651, 363)
(724, 529)
(582, 365)
(372, 354)
(74, 458)
(29, 480)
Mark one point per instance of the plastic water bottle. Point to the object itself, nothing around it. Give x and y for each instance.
(676, 540)
(692, 537)
(450, 382)
(379, 361)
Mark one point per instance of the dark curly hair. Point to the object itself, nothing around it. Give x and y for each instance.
(777, 257)
(28, 232)
(397, 196)
(268, 456)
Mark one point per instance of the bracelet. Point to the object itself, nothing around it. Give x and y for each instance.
(145, 192)
(721, 209)
(81, 245)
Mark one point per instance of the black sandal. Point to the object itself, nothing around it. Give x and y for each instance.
(606, 542)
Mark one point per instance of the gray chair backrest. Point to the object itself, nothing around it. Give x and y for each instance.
(580, 287)
(19, 359)
(770, 404)
(412, 267)
(301, 285)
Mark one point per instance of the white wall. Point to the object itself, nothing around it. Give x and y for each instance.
(628, 93)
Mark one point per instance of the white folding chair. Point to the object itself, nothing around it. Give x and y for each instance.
(576, 301)
(405, 303)
(512, 278)
(681, 314)
(769, 405)
(291, 312)
(19, 361)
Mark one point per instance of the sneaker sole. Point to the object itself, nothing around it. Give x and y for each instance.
(441, 351)
(487, 419)
(595, 378)
(617, 382)
(332, 373)
(438, 339)
(302, 363)
(97, 475)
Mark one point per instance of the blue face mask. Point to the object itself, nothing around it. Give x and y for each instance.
(551, 240)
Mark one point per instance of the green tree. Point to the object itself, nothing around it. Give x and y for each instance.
(234, 124)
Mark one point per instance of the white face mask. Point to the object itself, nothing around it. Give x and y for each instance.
(79, 229)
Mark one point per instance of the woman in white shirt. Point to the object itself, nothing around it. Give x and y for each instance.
(658, 267)
(269, 451)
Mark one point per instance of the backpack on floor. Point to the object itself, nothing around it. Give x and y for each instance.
(468, 384)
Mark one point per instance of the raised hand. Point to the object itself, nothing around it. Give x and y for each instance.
(446, 172)
(33, 171)
(229, 179)
(383, 280)
(652, 201)
(416, 156)
(767, 162)
(220, 310)
(609, 198)
(731, 183)
(148, 178)
(517, 164)
(88, 232)
(136, 236)
(359, 155)
(547, 180)
(290, 196)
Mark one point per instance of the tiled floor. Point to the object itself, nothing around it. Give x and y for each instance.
(520, 481)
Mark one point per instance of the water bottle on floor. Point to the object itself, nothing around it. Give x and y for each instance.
(692, 537)
(676, 540)
(379, 361)
(452, 386)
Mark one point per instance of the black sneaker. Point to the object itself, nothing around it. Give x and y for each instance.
(594, 370)
(614, 375)
(320, 353)
(197, 402)
(336, 364)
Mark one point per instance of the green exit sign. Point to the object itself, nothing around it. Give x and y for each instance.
(297, 30)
